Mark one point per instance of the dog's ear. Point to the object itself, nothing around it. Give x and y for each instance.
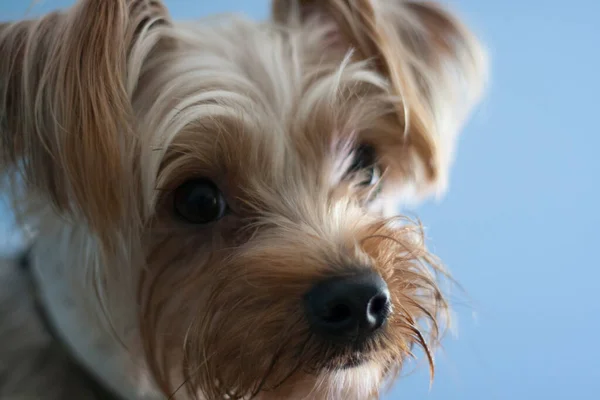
(65, 109)
(435, 68)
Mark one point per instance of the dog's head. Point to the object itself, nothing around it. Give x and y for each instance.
(246, 177)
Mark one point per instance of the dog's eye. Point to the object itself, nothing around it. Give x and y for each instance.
(199, 201)
(365, 166)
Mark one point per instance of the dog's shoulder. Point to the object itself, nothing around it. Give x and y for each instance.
(33, 364)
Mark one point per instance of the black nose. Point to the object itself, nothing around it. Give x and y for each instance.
(348, 306)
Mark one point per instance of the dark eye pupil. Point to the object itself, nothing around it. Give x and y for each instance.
(199, 201)
(365, 164)
(364, 157)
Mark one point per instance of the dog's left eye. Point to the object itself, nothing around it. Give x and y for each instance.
(365, 166)
(199, 201)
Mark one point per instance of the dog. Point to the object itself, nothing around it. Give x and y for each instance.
(212, 207)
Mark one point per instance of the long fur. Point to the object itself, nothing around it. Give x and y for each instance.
(109, 106)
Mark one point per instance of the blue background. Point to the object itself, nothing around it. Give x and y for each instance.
(519, 226)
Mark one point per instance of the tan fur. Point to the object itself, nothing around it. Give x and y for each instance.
(65, 108)
(435, 67)
(108, 107)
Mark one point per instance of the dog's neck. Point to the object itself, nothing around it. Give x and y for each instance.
(53, 258)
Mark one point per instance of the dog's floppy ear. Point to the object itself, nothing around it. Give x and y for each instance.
(434, 65)
(65, 110)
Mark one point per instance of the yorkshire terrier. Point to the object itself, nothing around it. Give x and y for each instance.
(213, 206)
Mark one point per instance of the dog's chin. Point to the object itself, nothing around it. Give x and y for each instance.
(348, 361)
(355, 354)
(350, 378)
(353, 361)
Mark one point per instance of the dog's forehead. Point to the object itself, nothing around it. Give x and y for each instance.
(252, 99)
(242, 58)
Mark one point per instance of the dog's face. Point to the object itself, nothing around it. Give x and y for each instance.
(255, 172)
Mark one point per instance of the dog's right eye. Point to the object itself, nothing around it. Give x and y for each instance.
(365, 163)
(199, 201)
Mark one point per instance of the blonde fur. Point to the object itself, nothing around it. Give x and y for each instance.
(106, 108)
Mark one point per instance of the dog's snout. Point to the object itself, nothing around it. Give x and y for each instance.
(348, 307)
